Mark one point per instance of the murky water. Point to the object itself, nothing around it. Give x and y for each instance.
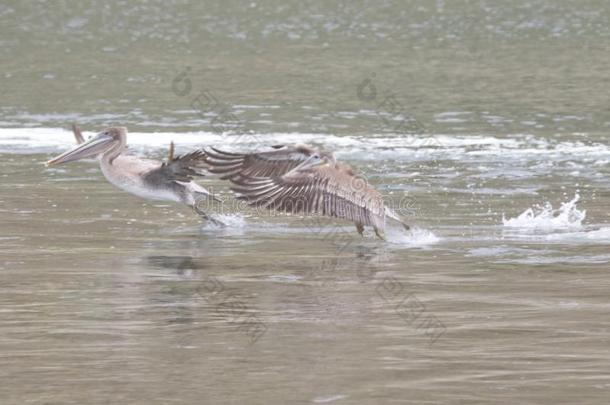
(485, 124)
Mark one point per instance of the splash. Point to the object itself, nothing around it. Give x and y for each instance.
(416, 237)
(546, 217)
(229, 221)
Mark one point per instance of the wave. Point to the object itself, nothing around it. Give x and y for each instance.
(358, 147)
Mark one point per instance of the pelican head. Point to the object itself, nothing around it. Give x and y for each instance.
(328, 157)
(318, 159)
(105, 141)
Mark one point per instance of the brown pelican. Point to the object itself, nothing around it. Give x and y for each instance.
(302, 179)
(167, 181)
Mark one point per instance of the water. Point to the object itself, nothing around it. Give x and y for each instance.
(484, 124)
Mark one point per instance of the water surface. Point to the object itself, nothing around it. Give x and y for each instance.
(485, 124)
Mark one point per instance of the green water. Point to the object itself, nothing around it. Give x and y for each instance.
(514, 59)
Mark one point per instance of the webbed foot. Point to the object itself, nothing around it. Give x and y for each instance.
(379, 234)
(207, 217)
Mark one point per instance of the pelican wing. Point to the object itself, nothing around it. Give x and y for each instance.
(277, 162)
(329, 190)
(182, 168)
(78, 135)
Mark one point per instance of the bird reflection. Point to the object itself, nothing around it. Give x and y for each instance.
(182, 264)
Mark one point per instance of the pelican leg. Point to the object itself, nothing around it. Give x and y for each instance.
(360, 229)
(207, 217)
(380, 235)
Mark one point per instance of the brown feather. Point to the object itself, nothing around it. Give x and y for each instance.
(181, 168)
(170, 157)
(276, 162)
(327, 190)
(78, 135)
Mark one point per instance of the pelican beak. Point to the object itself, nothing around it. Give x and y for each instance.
(96, 145)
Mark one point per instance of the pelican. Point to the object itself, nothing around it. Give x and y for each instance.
(78, 135)
(166, 181)
(302, 179)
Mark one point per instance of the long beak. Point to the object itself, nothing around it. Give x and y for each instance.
(96, 145)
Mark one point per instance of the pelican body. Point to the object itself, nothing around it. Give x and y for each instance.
(151, 180)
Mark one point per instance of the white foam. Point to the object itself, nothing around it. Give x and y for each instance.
(233, 221)
(416, 237)
(601, 236)
(545, 217)
(591, 259)
(359, 147)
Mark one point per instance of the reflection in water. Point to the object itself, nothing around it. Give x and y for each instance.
(205, 299)
(194, 295)
(142, 304)
(172, 293)
(179, 263)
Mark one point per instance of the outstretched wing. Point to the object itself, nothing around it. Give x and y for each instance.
(233, 166)
(330, 190)
(182, 168)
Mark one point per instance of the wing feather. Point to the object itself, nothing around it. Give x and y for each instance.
(276, 162)
(327, 190)
(182, 168)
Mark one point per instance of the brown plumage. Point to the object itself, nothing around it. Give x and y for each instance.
(78, 135)
(276, 162)
(182, 168)
(172, 180)
(177, 168)
(301, 179)
(170, 156)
